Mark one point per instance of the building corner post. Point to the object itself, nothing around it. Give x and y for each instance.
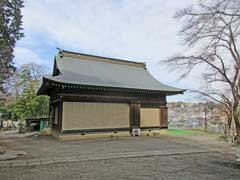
(163, 117)
(60, 115)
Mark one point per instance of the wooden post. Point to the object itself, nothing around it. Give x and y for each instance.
(163, 117)
(60, 109)
(134, 116)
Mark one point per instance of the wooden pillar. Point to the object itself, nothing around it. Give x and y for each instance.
(134, 115)
(163, 117)
(60, 110)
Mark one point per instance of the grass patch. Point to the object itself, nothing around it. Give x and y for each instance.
(182, 132)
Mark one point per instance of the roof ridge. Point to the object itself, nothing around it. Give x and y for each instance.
(90, 57)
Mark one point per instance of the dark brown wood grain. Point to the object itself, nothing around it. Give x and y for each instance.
(135, 115)
(163, 117)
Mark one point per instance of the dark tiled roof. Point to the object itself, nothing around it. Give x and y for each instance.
(91, 70)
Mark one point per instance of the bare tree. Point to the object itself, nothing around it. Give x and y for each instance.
(36, 71)
(211, 31)
(26, 74)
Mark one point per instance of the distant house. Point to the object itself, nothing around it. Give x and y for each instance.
(2, 98)
(92, 94)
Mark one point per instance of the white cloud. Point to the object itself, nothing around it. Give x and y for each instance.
(128, 29)
(138, 30)
(25, 56)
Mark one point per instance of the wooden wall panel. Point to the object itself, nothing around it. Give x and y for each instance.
(87, 115)
(150, 117)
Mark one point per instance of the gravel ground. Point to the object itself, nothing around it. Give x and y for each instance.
(178, 159)
(197, 166)
(47, 146)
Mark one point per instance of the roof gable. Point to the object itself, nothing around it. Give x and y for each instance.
(95, 58)
(56, 71)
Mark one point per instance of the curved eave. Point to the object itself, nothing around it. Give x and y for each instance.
(49, 83)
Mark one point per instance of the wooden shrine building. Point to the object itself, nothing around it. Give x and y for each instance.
(93, 95)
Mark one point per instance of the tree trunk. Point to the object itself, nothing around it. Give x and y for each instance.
(229, 124)
(237, 123)
(229, 120)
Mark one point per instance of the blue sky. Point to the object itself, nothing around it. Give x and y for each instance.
(137, 30)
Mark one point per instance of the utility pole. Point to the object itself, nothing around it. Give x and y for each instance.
(205, 112)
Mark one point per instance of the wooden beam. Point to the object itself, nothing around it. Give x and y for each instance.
(155, 102)
(87, 131)
(55, 101)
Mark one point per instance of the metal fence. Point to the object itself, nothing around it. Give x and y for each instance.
(214, 127)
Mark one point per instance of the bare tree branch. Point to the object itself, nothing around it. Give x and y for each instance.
(212, 30)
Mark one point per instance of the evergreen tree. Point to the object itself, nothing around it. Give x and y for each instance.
(10, 32)
(28, 104)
